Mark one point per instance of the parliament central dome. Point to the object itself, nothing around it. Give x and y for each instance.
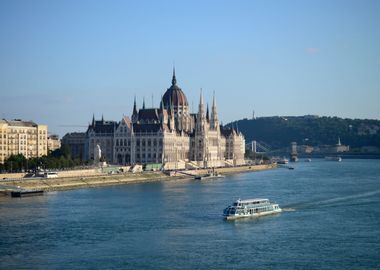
(174, 95)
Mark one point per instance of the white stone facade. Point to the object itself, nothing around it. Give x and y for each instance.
(169, 135)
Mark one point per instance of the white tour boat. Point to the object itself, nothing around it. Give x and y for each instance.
(251, 208)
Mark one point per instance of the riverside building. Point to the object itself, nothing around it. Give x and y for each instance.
(169, 135)
(76, 142)
(53, 142)
(22, 137)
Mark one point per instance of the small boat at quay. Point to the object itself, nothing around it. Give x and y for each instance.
(251, 208)
(279, 160)
(339, 159)
(210, 175)
(26, 193)
(283, 161)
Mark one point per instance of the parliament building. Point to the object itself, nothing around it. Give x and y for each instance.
(170, 135)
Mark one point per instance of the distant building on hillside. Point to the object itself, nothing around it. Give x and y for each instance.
(310, 116)
(337, 148)
(368, 129)
(340, 148)
(22, 137)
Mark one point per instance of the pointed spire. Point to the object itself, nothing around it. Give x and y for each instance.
(214, 115)
(201, 98)
(207, 114)
(102, 118)
(174, 80)
(135, 113)
(93, 119)
(134, 107)
(143, 103)
(201, 110)
(213, 100)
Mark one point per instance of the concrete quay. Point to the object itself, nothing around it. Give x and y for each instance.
(65, 183)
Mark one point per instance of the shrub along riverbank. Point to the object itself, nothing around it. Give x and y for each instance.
(58, 159)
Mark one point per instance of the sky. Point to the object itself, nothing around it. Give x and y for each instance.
(63, 61)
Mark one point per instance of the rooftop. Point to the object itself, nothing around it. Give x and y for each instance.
(19, 123)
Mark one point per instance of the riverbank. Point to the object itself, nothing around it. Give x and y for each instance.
(54, 184)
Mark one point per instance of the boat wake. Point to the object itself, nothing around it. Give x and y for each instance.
(350, 197)
(330, 202)
(288, 209)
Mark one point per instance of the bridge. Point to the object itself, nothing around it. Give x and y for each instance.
(258, 147)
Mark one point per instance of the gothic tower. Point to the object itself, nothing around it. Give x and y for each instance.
(214, 122)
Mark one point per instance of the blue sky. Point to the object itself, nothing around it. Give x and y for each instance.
(62, 61)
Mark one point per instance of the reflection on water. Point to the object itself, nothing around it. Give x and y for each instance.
(25, 209)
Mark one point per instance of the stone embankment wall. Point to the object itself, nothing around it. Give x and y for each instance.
(89, 178)
(11, 175)
(82, 182)
(69, 173)
(80, 173)
(233, 170)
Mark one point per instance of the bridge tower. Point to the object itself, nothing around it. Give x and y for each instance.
(293, 152)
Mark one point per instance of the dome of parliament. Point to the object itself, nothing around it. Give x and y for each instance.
(174, 95)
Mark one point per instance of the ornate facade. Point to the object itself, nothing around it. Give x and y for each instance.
(100, 133)
(170, 135)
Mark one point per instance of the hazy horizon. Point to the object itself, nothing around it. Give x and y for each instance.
(64, 61)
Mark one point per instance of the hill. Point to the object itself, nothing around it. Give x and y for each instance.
(311, 130)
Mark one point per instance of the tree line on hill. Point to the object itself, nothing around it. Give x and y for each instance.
(279, 132)
(58, 159)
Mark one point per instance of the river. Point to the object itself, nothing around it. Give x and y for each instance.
(331, 220)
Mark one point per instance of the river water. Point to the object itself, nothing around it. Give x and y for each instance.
(331, 220)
